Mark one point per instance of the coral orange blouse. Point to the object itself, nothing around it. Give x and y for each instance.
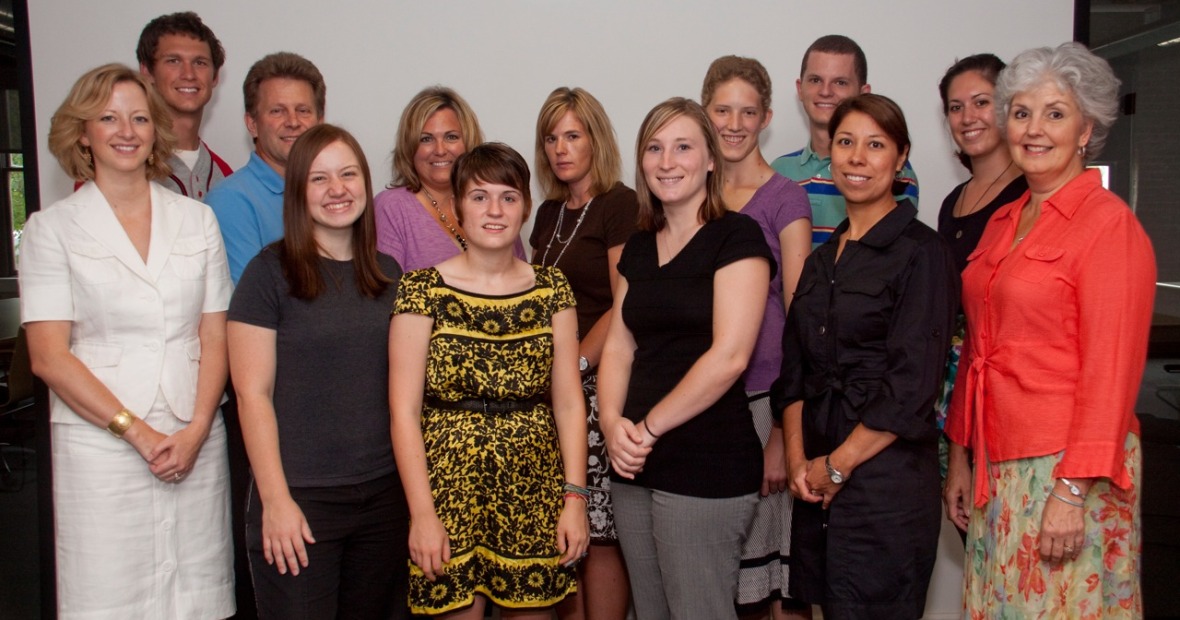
(1057, 332)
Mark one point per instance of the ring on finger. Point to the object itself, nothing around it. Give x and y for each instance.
(177, 476)
(1068, 549)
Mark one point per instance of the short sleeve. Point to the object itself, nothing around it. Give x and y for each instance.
(218, 286)
(622, 216)
(46, 291)
(742, 239)
(239, 227)
(389, 232)
(256, 300)
(563, 294)
(791, 204)
(413, 292)
(630, 253)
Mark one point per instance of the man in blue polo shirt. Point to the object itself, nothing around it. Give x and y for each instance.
(834, 68)
(284, 95)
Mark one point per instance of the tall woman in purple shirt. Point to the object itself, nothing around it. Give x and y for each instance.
(736, 95)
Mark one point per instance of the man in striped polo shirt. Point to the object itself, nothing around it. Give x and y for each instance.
(834, 68)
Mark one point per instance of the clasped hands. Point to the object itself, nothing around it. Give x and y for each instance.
(809, 481)
(628, 445)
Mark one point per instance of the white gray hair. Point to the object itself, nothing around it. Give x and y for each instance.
(1075, 70)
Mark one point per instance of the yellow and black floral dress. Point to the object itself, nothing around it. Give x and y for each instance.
(496, 477)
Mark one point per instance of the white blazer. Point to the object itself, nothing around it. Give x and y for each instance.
(135, 325)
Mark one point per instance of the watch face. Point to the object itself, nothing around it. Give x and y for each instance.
(833, 474)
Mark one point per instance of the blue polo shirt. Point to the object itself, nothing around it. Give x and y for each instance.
(814, 173)
(249, 209)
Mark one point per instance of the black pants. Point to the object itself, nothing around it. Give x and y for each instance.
(357, 567)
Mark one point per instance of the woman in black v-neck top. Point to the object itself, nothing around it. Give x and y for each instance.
(685, 454)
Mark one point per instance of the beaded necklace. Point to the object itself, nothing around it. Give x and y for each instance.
(442, 217)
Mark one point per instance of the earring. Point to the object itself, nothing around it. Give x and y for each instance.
(89, 158)
(1082, 151)
(151, 160)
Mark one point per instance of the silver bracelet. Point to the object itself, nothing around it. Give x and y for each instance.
(1070, 502)
(1074, 490)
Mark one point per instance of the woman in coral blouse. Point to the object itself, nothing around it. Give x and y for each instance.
(1058, 301)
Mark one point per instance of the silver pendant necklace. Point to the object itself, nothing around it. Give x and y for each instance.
(565, 243)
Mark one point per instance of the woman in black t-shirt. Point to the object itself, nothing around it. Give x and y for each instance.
(580, 228)
(686, 458)
(327, 521)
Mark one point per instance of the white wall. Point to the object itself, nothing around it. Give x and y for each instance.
(506, 56)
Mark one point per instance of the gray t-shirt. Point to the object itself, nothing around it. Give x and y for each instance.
(331, 392)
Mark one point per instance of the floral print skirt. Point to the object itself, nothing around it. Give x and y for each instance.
(497, 482)
(1004, 574)
(599, 509)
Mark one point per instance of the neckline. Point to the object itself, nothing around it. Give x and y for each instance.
(536, 285)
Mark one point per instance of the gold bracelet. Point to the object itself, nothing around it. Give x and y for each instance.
(121, 422)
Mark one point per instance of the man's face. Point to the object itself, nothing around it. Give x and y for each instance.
(827, 80)
(286, 109)
(182, 72)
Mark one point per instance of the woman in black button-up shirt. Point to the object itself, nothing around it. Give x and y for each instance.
(865, 344)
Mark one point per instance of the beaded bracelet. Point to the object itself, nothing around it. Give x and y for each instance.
(582, 492)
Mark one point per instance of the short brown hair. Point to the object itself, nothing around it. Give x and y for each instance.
(283, 65)
(839, 44)
(491, 162)
(606, 164)
(298, 250)
(86, 101)
(186, 23)
(728, 68)
(409, 130)
(651, 210)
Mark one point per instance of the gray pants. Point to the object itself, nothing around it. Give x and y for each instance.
(682, 553)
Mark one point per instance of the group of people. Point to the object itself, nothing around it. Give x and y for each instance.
(721, 392)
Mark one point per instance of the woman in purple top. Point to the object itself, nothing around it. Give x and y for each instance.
(736, 95)
(416, 221)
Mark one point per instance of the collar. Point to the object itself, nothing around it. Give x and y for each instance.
(808, 155)
(886, 231)
(1065, 200)
(269, 178)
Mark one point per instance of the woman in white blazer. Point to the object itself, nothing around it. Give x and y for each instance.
(124, 288)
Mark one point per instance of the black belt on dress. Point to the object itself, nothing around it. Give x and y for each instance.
(485, 405)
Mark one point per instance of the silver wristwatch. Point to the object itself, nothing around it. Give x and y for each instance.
(833, 473)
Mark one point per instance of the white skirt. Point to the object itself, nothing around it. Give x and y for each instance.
(131, 546)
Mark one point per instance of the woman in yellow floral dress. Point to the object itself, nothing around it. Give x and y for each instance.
(495, 479)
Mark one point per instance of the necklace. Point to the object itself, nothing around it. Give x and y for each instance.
(958, 212)
(565, 243)
(442, 217)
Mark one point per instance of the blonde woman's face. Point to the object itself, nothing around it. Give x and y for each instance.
(121, 137)
(439, 145)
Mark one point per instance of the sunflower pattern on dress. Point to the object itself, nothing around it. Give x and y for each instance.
(1004, 575)
(496, 478)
